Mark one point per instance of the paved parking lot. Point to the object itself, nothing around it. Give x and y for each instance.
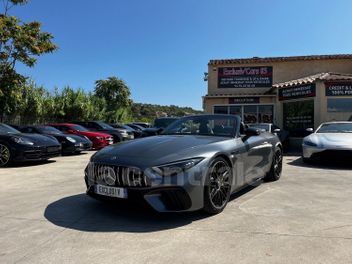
(45, 217)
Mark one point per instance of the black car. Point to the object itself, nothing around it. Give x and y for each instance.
(163, 122)
(70, 143)
(99, 126)
(16, 146)
(146, 132)
(137, 133)
(142, 124)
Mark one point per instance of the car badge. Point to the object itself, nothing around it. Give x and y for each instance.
(109, 175)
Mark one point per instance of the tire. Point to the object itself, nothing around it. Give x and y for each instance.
(306, 160)
(5, 155)
(276, 167)
(217, 188)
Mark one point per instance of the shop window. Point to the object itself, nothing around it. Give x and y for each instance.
(340, 109)
(221, 110)
(298, 116)
(250, 114)
(265, 114)
(236, 110)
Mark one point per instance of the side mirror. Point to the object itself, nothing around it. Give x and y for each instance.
(70, 131)
(252, 131)
(277, 130)
(310, 130)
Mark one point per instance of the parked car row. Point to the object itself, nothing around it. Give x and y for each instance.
(42, 142)
(16, 146)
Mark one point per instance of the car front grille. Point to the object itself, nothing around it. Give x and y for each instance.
(116, 175)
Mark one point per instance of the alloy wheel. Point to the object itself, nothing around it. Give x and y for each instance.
(278, 163)
(4, 155)
(220, 185)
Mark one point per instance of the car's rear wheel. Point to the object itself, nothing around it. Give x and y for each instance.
(218, 186)
(276, 167)
(5, 155)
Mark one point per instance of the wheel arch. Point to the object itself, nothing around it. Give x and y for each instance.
(225, 157)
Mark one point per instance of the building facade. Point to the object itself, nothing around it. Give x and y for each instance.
(293, 92)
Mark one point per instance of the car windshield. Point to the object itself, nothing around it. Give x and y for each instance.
(137, 127)
(130, 129)
(264, 127)
(7, 129)
(79, 128)
(203, 125)
(163, 122)
(336, 128)
(49, 130)
(104, 125)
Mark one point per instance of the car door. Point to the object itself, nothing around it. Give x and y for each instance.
(258, 155)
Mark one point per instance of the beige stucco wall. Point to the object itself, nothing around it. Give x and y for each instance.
(282, 71)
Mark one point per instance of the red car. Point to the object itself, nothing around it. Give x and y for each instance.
(100, 140)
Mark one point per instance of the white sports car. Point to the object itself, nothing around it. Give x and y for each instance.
(331, 141)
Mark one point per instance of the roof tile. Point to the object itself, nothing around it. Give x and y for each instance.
(279, 59)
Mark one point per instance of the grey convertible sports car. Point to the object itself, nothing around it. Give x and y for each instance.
(196, 163)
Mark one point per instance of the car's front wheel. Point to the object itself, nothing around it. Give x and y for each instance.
(217, 186)
(276, 166)
(5, 155)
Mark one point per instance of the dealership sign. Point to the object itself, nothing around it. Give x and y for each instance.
(338, 89)
(297, 92)
(244, 100)
(245, 77)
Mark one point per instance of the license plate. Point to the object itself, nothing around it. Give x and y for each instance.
(52, 149)
(111, 191)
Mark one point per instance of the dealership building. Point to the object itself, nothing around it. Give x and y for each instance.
(293, 92)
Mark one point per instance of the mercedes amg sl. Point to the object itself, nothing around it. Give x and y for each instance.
(196, 163)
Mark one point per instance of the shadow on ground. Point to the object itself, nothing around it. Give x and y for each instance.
(83, 213)
(31, 163)
(331, 164)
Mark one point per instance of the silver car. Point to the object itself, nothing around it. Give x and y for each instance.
(331, 140)
(196, 163)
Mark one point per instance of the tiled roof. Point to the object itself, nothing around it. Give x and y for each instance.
(279, 59)
(325, 76)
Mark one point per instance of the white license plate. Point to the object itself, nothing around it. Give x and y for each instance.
(111, 191)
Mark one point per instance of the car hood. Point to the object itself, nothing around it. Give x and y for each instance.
(64, 136)
(337, 139)
(157, 149)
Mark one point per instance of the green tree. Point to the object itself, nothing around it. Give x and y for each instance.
(19, 42)
(116, 95)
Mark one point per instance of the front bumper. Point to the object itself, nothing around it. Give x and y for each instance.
(161, 199)
(30, 153)
(77, 147)
(327, 153)
(180, 193)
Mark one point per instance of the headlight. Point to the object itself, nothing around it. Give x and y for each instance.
(71, 139)
(175, 168)
(100, 138)
(22, 141)
(309, 143)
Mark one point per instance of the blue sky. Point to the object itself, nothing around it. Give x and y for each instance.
(161, 48)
